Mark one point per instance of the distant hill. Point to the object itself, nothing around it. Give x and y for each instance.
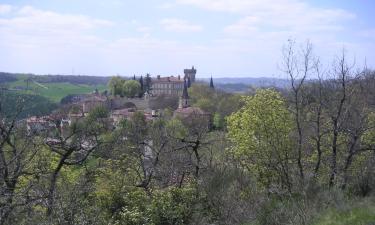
(243, 84)
(52, 87)
(55, 87)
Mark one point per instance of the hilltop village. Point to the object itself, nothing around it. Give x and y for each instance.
(121, 107)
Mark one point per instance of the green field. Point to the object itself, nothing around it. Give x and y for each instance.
(53, 91)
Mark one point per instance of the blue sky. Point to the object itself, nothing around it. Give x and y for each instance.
(219, 37)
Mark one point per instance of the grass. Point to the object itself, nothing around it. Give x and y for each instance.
(362, 213)
(54, 91)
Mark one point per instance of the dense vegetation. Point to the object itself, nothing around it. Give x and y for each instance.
(302, 156)
(32, 105)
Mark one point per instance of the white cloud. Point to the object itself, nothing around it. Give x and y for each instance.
(31, 27)
(144, 29)
(166, 5)
(282, 15)
(178, 25)
(4, 9)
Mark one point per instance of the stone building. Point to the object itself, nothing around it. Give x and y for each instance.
(190, 74)
(167, 86)
(172, 85)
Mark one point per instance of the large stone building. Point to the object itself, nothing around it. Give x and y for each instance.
(167, 86)
(172, 85)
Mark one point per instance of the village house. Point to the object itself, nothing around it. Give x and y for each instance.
(39, 124)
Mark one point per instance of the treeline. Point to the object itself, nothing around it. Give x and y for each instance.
(6, 77)
(73, 79)
(32, 105)
(272, 157)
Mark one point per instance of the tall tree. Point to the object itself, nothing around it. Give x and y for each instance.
(211, 83)
(260, 132)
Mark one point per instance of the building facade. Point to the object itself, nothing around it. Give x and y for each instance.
(167, 86)
(172, 85)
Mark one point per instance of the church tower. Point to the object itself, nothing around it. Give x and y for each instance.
(190, 73)
(184, 99)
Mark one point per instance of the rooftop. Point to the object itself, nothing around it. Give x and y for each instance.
(170, 79)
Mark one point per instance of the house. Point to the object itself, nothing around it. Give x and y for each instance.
(93, 101)
(39, 124)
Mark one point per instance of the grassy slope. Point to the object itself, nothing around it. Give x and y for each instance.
(55, 91)
(362, 213)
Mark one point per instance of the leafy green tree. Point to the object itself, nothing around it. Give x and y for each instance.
(116, 85)
(260, 135)
(98, 112)
(131, 88)
(218, 121)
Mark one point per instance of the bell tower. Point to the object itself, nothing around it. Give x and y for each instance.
(184, 99)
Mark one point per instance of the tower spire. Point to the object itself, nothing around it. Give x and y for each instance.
(184, 99)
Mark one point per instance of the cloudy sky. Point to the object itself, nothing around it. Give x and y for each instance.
(219, 37)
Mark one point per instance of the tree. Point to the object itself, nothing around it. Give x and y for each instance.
(116, 85)
(131, 88)
(148, 83)
(260, 135)
(298, 66)
(212, 83)
(142, 89)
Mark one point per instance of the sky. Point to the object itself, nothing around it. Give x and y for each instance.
(222, 38)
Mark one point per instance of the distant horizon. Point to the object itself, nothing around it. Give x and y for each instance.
(152, 75)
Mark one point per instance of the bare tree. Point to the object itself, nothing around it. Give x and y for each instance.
(298, 65)
(74, 149)
(17, 153)
(341, 72)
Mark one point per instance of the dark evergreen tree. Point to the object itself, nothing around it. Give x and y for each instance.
(142, 91)
(212, 83)
(188, 82)
(148, 83)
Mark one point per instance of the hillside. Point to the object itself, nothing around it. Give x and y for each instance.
(53, 87)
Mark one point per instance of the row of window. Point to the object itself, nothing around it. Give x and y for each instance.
(169, 86)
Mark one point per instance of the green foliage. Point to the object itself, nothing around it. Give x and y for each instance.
(218, 121)
(173, 206)
(176, 129)
(116, 85)
(260, 134)
(121, 87)
(131, 88)
(27, 104)
(98, 112)
(215, 102)
(362, 213)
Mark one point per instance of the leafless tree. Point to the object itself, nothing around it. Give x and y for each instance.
(298, 64)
